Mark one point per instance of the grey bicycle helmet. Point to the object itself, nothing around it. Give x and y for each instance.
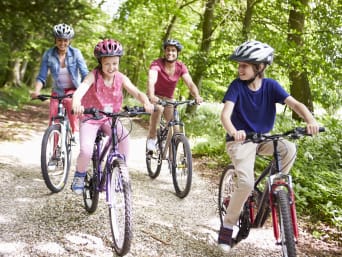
(108, 47)
(63, 31)
(253, 52)
(173, 42)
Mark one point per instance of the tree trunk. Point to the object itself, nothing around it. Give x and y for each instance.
(247, 19)
(300, 88)
(202, 58)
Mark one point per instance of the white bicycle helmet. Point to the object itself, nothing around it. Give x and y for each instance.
(63, 31)
(253, 52)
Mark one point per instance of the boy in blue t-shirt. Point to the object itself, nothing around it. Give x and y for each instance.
(249, 106)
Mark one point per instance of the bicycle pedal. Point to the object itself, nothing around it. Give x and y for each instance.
(51, 167)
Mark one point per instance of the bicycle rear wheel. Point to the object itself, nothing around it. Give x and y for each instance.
(120, 208)
(228, 184)
(154, 159)
(55, 159)
(181, 165)
(287, 242)
(91, 192)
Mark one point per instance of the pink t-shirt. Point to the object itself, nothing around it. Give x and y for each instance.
(165, 85)
(102, 97)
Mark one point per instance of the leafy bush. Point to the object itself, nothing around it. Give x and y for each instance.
(13, 97)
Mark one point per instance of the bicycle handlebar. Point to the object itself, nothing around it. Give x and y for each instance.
(45, 97)
(176, 103)
(260, 137)
(127, 112)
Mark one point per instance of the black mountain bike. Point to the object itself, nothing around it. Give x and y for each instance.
(172, 145)
(273, 194)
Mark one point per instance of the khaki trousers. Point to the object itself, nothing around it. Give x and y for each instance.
(243, 159)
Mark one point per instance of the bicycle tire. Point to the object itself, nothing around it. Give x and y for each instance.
(287, 242)
(120, 207)
(55, 159)
(227, 185)
(154, 160)
(181, 165)
(91, 192)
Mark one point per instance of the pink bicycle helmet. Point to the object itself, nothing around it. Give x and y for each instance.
(108, 47)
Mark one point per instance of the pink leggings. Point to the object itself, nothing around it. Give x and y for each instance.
(67, 102)
(88, 132)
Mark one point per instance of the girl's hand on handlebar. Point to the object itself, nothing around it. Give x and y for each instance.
(77, 109)
(149, 107)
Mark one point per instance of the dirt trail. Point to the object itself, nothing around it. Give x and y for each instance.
(34, 222)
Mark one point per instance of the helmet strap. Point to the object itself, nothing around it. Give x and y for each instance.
(257, 73)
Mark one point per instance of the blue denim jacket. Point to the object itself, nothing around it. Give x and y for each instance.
(74, 62)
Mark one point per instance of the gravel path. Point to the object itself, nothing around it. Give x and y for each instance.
(34, 222)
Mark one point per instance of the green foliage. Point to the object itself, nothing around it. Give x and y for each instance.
(317, 174)
(13, 98)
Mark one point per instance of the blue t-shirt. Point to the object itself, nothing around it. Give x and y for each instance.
(255, 111)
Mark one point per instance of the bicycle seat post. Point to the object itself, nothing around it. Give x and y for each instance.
(60, 107)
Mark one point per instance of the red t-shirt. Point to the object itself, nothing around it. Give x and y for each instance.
(165, 85)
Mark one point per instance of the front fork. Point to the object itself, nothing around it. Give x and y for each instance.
(285, 181)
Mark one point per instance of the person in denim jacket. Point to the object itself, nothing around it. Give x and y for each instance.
(67, 67)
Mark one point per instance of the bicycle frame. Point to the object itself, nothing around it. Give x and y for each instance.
(56, 147)
(277, 179)
(170, 130)
(103, 175)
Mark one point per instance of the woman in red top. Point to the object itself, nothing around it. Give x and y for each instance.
(163, 77)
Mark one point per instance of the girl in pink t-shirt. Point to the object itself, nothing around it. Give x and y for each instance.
(102, 89)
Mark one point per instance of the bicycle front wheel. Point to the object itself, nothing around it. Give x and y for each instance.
(120, 209)
(154, 159)
(287, 240)
(91, 192)
(55, 159)
(181, 165)
(228, 184)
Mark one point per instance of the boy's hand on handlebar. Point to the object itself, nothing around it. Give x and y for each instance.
(239, 135)
(312, 128)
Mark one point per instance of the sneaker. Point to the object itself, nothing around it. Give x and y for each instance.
(225, 239)
(78, 183)
(51, 165)
(151, 144)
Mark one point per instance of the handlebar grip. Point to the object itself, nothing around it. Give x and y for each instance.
(43, 97)
(321, 129)
(89, 110)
